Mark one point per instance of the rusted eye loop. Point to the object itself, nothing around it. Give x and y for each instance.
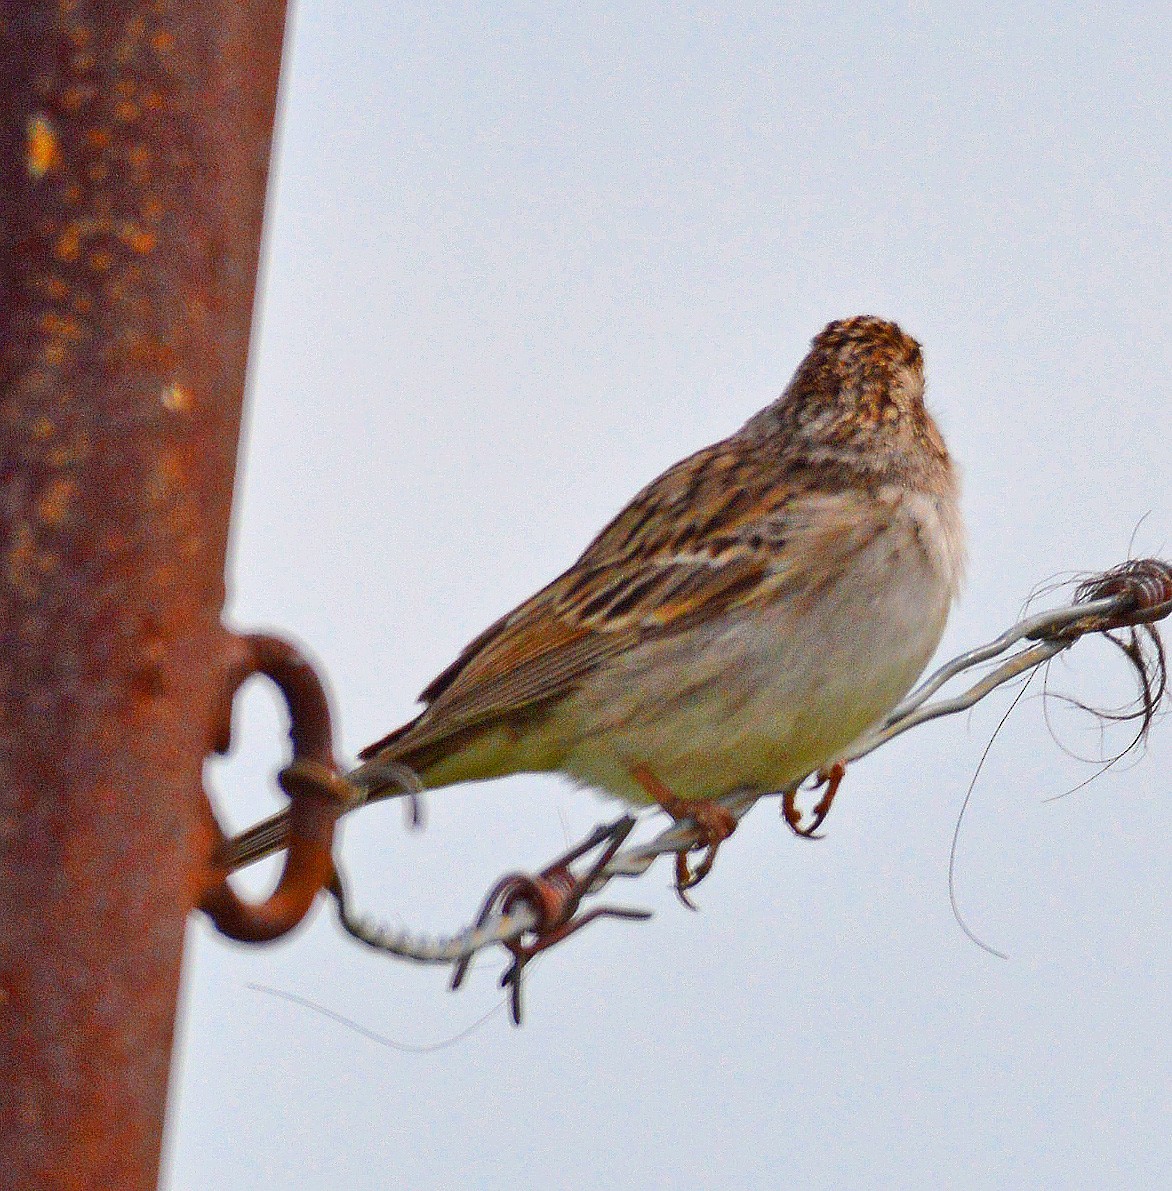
(318, 793)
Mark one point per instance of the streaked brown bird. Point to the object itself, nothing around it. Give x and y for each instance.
(738, 625)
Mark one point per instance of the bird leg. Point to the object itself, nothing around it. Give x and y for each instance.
(830, 777)
(714, 822)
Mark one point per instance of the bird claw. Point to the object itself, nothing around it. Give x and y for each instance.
(715, 823)
(687, 878)
(830, 777)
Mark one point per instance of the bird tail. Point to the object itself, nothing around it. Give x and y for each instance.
(374, 779)
(259, 841)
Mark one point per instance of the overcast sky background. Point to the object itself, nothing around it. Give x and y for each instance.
(523, 257)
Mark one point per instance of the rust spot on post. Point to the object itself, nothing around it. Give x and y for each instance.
(43, 152)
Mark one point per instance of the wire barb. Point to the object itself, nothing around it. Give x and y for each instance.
(554, 897)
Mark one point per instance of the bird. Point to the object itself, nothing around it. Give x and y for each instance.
(744, 619)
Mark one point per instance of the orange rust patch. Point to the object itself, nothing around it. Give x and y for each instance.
(126, 111)
(164, 575)
(98, 138)
(176, 398)
(138, 239)
(152, 208)
(54, 502)
(100, 260)
(170, 470)
(186, 530)
(147, 351)
(42, 149)
(63, 325)
(43, 429)
(163, 42)
(68, 246)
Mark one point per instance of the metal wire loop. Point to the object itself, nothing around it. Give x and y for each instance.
(318, 793)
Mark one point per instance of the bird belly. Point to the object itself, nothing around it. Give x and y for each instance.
(771, 693)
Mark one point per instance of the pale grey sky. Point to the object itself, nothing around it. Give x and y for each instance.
(521, 258)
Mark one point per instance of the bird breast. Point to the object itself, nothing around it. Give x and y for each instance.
(768, 693)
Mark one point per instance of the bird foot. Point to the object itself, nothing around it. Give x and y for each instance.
(830, 777)
(714, 822)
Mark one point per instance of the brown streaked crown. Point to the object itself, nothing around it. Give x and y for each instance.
(856, 402)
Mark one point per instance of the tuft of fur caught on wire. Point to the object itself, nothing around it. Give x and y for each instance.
(1143, 590)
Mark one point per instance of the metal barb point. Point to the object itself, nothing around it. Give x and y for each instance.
(553, 896)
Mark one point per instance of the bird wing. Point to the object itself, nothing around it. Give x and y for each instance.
(715, 532)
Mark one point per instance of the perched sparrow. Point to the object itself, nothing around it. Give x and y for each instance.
(738, 625)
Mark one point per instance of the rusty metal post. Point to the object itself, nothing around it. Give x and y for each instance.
(134, 148)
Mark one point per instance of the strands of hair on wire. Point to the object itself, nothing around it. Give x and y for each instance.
(1143, 648)
(964, 806)
(411, 1048)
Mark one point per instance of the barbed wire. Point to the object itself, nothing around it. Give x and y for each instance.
(526, 914)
